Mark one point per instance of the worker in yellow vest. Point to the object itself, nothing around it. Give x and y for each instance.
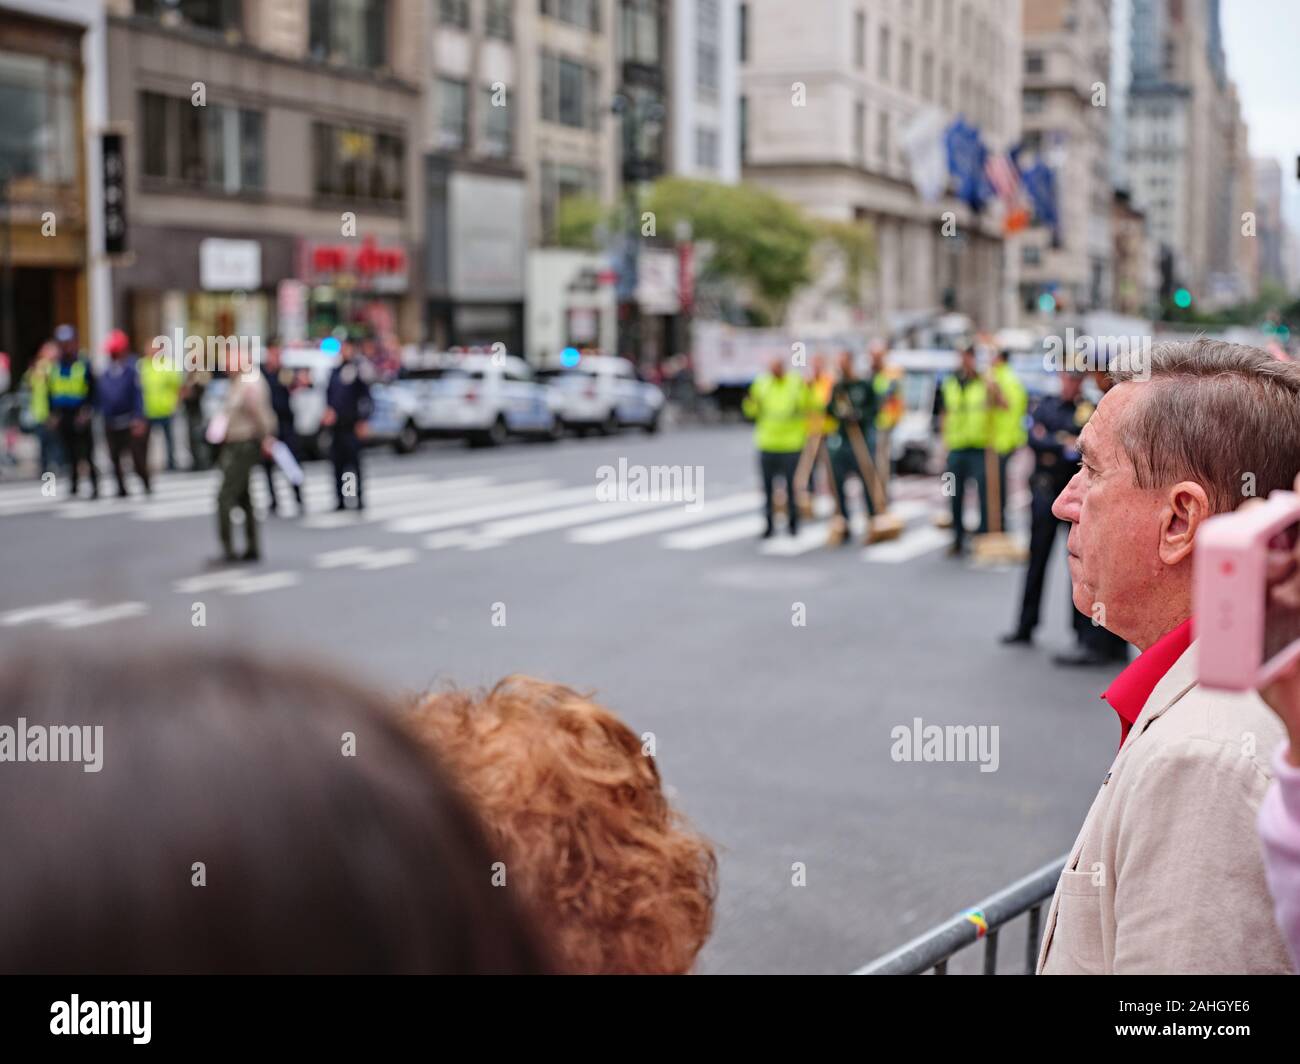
(779, 403)
(161, 384)
(1009, 402)
(37, 383)
(962, 403)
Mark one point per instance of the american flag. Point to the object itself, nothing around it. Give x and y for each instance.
(1004, 177)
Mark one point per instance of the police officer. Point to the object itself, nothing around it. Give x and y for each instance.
(853, 404)
(280, 381)
(347, 409)
(962, 405)
(1058, 420)
(72, 405)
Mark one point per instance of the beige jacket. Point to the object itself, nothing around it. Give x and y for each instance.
(248, 406)
(1167, 874)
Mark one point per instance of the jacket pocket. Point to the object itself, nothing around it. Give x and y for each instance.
(1076, 940)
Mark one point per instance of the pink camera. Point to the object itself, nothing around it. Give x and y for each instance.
(1244, 637)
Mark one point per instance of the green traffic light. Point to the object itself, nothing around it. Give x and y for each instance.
(1182, 298)
(1047, 302)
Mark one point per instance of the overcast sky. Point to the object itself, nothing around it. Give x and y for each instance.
(1262, 39)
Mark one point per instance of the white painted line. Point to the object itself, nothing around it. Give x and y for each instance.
(612, 531)
(812, 536)
(49, 611)
(912, 544)
(428, 501)
(747, 527)
(488, 511)
(547, 522)
(108, 613)
(251, 585)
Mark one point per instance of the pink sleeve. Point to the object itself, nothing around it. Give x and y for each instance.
(1279, 828)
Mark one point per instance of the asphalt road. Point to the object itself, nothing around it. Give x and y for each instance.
(775, 737)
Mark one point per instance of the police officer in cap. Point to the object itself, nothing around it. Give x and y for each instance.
(347, 409)
(1054, 437)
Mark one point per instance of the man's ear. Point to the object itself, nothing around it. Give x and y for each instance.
(1186, 506)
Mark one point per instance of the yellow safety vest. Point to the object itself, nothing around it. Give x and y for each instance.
(38, 381)
(161, 389)
(1009, 431)
(73, 385)
(966, 414)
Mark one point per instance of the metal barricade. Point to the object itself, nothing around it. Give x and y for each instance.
(933, 949)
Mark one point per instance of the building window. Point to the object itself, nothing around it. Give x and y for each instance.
(1031, 255)
(743, 123)
(453, 115)
(454, 13)
(860, 132)
(560, 182)
(927, 11)
(1033, 62)
(498, 127)
(905, 66)
(221, 16)
(217, 147)
(743, 16)
(706, 148)
(583, 13)
(859, 40)
(927, 76)
(569, 92)
(350, 32)
(707, 27)
(358, 164)
(640, 32)
(882, 139)
(1034, 103)
(882, 55)
(499, 19)
(38, 118)
(945, 86)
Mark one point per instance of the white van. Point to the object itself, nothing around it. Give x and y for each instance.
(602, 392)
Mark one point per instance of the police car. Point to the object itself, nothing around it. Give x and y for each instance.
(481, 398)
(602, 392)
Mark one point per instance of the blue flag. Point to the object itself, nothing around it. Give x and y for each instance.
(966, 157)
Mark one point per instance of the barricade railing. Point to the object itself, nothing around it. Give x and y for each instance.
(932, 950)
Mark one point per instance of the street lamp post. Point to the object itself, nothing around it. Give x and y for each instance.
(639, 117)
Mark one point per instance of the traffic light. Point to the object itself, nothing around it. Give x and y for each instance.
(1047, 303)
(1182, 299)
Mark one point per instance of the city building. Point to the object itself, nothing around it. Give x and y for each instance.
(53, 254)
(830, 91)
(1136, 257)
(1066, 120)
(1270, 226)
(704, 104)
(273, 158)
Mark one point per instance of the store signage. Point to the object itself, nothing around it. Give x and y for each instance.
(113, 163)
(230, 265)
(364, 264)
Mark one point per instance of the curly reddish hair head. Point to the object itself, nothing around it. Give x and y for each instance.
(608, 868)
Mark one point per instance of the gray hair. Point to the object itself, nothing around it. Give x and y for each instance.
(1223, 415)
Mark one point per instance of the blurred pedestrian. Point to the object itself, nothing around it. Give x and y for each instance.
(194, 382)
(279, 382)
(1009, 404)
(242, 817)
(120, 400)
(246, 430)
(72, 403)
(575, 808)
(779, 403)
(852, 403)
(160, 382)
(37, 383)
(962, 405)
(347, 410)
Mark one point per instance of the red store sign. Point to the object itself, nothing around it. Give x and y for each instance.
(363, 264)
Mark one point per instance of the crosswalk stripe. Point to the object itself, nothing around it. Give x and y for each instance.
(912, 544)
(316, 495)
(47, 611)
(117, 612)
(711, 535)
(612, 531)
(489, 511)
(547, 522)
(433, 500)
(811, 537)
